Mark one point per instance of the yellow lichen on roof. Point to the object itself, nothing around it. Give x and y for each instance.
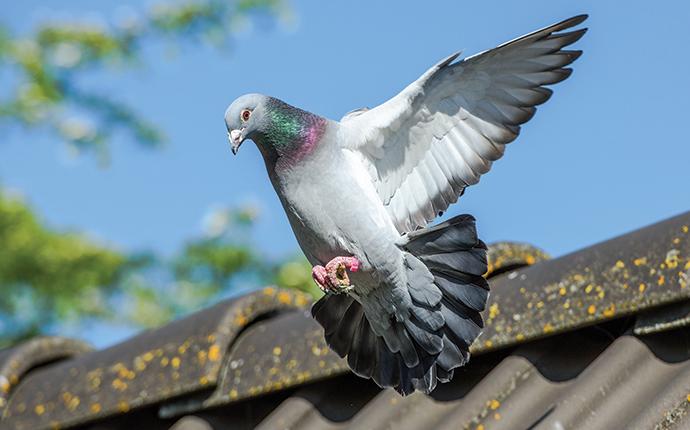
(214, 353)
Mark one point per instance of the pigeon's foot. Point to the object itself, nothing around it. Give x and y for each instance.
(337, 269)
(318, 274)
(333, 278)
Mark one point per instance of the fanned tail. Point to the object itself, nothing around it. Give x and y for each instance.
(445, 264)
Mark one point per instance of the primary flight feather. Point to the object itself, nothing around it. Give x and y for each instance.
(403, 300)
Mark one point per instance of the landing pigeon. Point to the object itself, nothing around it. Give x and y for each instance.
(403, 300)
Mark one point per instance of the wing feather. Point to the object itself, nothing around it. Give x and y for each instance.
(442, 132)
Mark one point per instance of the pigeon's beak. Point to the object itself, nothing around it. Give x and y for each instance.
(236, 139)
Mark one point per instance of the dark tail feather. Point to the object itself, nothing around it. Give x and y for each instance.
(445, 267)
(329, 311)
(457, 260)
(349, 334)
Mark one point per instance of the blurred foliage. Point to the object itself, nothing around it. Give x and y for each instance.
(48, 66)
(221, 263)
(296, 274)
(50, 278)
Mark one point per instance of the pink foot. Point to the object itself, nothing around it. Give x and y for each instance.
(319, 275)
(333, 278)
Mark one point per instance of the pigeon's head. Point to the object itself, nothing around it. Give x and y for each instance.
(278, 129)
(244, 118)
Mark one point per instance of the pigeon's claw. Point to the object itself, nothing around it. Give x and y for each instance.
(337, 269)
(333, 278)
(319, 275)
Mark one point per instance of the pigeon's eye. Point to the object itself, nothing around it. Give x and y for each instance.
(245, 115)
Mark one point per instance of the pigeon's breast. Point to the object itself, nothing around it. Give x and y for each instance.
(329, 211)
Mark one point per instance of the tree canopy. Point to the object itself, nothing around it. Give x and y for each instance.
(50, 277)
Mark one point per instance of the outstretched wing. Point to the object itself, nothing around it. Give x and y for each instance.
(442, 132)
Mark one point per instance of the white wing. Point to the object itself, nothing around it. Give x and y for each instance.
(442, 132)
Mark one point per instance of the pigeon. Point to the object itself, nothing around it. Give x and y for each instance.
(403, 299)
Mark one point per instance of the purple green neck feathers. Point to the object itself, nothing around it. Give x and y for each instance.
(291, 133)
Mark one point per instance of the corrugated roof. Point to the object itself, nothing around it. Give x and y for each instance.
(590, 379)
(17, 361)
(595, 339)
(182, 357)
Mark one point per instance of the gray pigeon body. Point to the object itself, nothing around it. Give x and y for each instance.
(366, 186)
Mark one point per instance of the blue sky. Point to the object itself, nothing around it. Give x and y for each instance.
(608, 153)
